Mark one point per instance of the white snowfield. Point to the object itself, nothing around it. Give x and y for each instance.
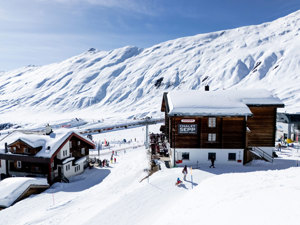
(260, 193)
(129, 82)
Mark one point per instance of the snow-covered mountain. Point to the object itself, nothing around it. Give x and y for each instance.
(130, 80)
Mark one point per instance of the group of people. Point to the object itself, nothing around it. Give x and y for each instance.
(112, 158)
(185, 170)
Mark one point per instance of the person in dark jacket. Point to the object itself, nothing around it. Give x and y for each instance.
(212, 160)
(184, 171)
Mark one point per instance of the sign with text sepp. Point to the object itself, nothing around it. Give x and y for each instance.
(187, 129)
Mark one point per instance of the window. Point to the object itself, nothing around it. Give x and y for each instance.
(211, 122)
(78, 142)
(65, 153)
(67, 167)
(26, 150)
(19, 164)
(77, 168)
(231, 156)
(70, 144)
(212, 137)
(83, 151)
(14, 149)
(186, 155)
(211, 155)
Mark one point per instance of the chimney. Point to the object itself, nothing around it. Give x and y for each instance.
(206, 88)
(48, 129)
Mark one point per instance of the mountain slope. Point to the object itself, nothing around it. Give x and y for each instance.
(130, 81)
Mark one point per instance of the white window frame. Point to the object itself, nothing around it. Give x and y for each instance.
(19, 164)
(212, 137)
(82, 151)
(26, 150)
(78, 142)
(212, 121)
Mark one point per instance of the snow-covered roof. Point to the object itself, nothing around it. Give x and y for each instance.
(218, 103)
(49, 143)
(80, 161)
(70, 159)
(11, 188)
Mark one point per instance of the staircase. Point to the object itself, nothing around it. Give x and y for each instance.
(261, 154)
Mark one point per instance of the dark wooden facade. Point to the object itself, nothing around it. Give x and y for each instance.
(230, 133)
(262, 126)
(76, 147)
(20, 147)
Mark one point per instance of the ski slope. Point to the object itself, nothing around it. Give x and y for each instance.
(259, 193)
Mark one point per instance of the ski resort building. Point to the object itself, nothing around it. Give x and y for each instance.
(228, 125)
(56, 156)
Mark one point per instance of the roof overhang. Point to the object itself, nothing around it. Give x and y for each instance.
(24, 158)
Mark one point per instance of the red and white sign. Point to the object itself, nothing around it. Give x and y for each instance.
(188, 120)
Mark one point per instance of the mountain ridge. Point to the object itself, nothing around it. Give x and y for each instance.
(130, 81)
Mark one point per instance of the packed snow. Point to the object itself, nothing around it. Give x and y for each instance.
(258, 193)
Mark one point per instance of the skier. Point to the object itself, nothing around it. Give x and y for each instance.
(115, 160)
(184, 171)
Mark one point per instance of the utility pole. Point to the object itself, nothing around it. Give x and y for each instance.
(99, 148)
(147, 133)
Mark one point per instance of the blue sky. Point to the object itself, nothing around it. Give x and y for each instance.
(40, 32)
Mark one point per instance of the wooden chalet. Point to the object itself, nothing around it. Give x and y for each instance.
(227, 125)
(56, 156)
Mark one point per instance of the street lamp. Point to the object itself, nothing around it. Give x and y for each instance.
(174, 130)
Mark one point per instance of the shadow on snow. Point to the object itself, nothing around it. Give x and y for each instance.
(81, 182)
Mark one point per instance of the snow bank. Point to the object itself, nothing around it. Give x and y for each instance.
(11, 188)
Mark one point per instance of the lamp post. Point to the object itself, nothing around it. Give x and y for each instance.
(147, 120)
(174, 130)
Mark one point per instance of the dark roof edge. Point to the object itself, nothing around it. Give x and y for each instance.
(266, 105)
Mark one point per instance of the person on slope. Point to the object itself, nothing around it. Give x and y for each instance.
(184, 171)
(178, 182)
